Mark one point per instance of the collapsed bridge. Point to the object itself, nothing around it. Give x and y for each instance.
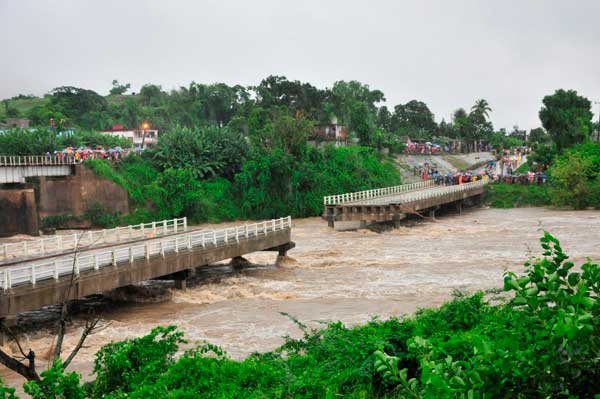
(394, 203)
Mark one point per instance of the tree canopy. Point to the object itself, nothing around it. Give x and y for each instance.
(567, 117)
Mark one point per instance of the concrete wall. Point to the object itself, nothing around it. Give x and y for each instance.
(18, 212)
(75, 194)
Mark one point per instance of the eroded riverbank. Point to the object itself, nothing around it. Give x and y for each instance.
(347, 276)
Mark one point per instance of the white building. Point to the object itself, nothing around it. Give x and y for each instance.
(138, 137)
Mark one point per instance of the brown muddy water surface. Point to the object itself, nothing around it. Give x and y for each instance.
(347, 276)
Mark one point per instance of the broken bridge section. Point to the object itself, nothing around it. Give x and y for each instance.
(394, 203)
(32, 284)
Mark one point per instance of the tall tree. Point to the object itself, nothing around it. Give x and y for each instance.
(277, 91)
(481, 107)
(76, 103)
(384, 118)
(119, 89)
(414, 117)
(461, 124)
(355, 104)
(538, 135)
(567, 117)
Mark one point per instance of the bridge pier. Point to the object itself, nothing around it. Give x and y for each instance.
(459, 206)
(397, 218)
(432, 212)
(282, 249)
(239, 262)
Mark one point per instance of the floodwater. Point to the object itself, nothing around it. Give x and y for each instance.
(348, 276)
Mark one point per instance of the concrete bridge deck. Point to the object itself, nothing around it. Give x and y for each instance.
(15, 251)
(380, 206)
(14, 169)
(31, 285)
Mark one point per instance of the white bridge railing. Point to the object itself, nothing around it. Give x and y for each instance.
(35, 160)
(375, 193)
(54, 268)
(435, 191)
(61, 243)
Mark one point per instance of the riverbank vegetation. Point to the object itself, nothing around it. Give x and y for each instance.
(540, 339)
(260, 184)
(573, 182)
(500, 195)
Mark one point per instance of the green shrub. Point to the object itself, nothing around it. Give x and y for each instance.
(574, 177)
(6, 392)
(55, 383)
(58, 221)
(500, 195)
(270, 184)
(99, 216)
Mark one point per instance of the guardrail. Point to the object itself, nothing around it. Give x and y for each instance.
(94, 260)
(35, 160)
(60, 243)
(436, 191)
(379, 192)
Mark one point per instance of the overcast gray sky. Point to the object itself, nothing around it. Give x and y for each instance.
(447, 53)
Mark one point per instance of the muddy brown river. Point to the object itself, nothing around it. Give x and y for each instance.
(347, 276)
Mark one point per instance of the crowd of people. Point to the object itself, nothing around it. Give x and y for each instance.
(502, 169)
(82, 154)
(429, 148)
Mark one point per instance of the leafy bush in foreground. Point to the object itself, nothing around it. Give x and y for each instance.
(543, 342)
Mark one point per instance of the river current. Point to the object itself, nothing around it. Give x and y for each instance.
(348, 276)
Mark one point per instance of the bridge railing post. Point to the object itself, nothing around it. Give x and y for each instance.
(76, 265)
(6, 280)
(55, 266)
(32, 268)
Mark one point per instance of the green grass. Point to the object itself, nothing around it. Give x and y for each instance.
(457, 162)
(524, 168)
(23, 105)
(500, 195)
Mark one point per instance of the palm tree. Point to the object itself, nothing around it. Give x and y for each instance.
(481, 107)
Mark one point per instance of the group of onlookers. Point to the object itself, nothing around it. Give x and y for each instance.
(84, 153)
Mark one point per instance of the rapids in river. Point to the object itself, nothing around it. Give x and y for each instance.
(348, 276)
